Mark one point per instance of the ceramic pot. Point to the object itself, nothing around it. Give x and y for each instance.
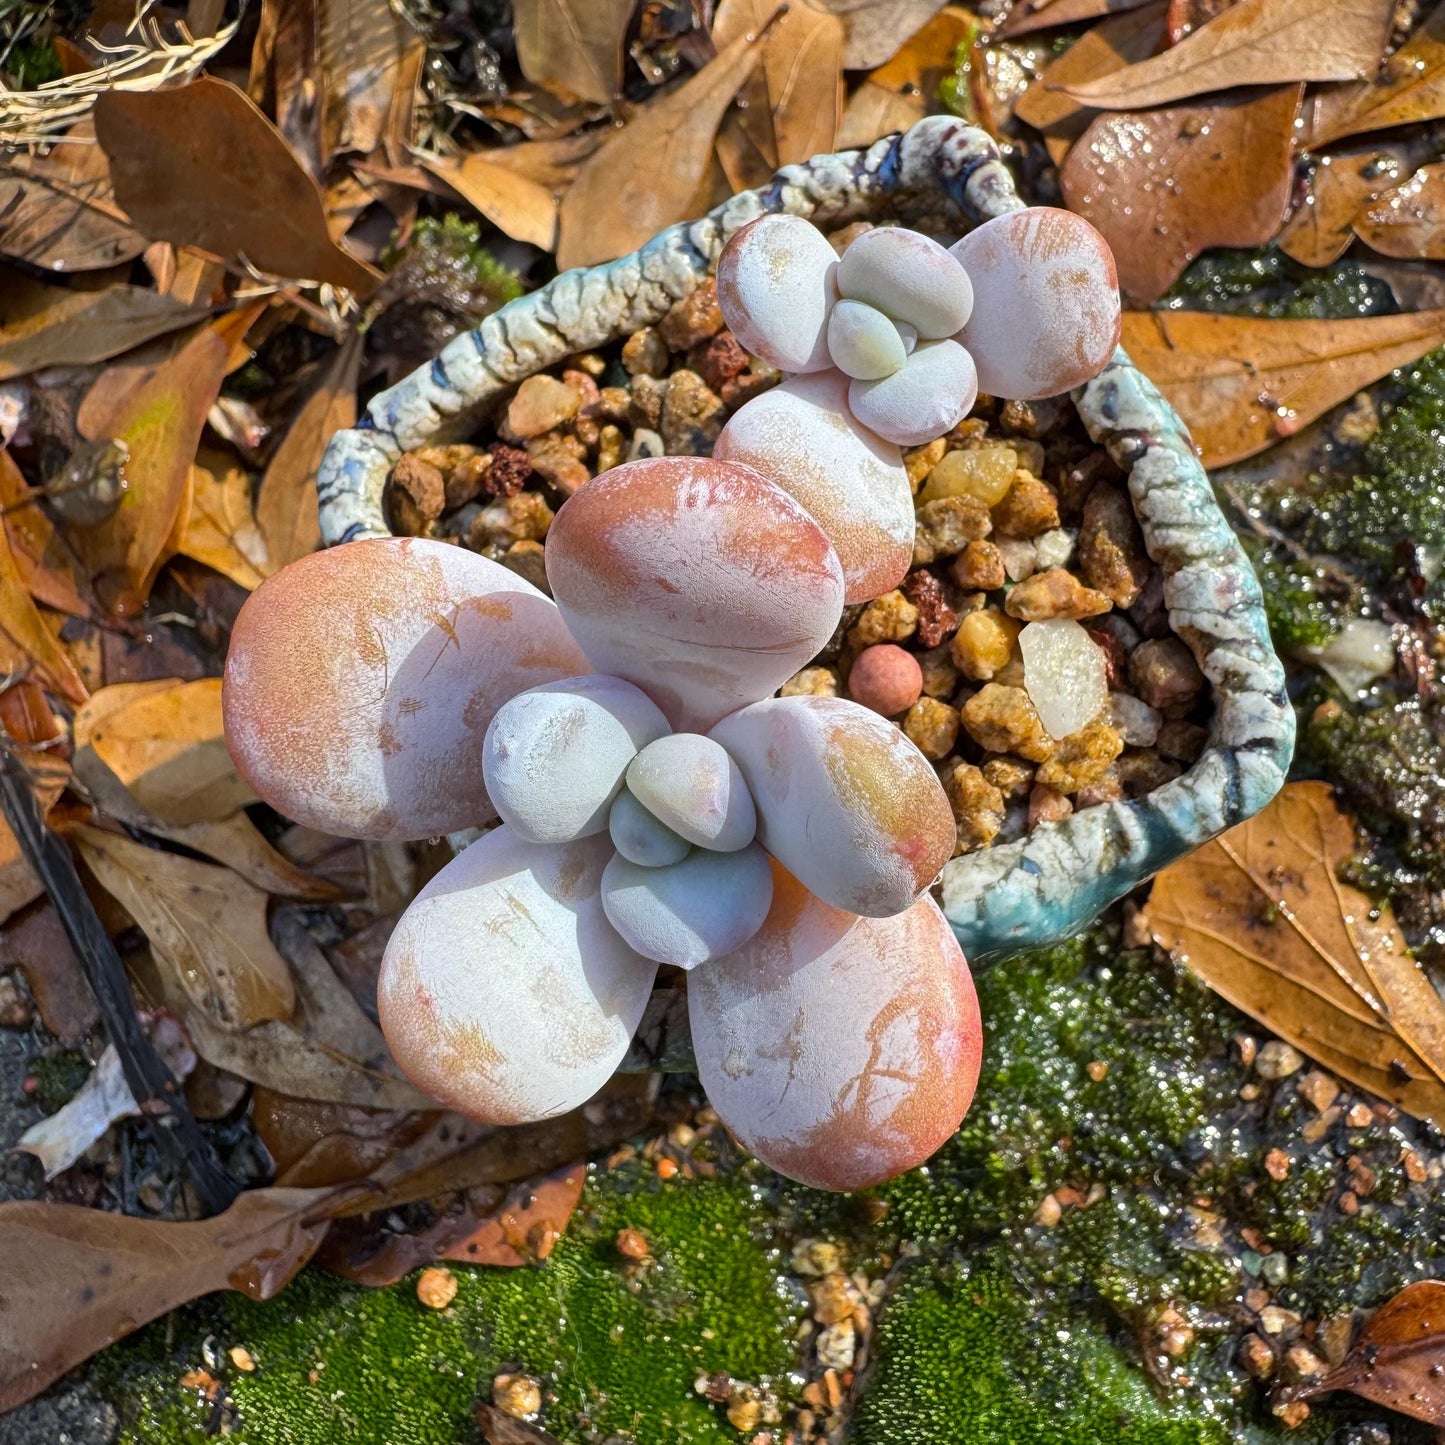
(941, 176)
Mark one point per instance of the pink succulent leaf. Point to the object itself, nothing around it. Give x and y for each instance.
(776, 287)
(361, 682)
(802, 437)
(841, 1050)
(504, 992)
(700, 581)
(926, 398)
(1046, 315)
(845, 801)
(909, 277)
(690, 784)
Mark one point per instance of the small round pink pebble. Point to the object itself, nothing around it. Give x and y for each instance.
(886, 679)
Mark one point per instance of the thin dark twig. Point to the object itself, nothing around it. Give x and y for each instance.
(175, 1131)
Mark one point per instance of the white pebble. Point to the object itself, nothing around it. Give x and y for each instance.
(909, 277)
(1020, 557)
(554, 758)
(775, 287)
(690, 783)
(1361, 651)
(1138, 723)
(1064, 674)
(863, 342)
(699, 909)
(1054, 548)
(928, 397)
(641, 838)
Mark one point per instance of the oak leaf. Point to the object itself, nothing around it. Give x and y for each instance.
(178, 158)
(77, 1279)
(1167, 184)
(222, 530)
(875, 30)
(647, 175)
(1256, 42)
(1395, 1360)
(1026, 18)
(1242, 382)
(47, 566)
(206, 926)
(1408, 221)
(573, 45)
(1262, 916)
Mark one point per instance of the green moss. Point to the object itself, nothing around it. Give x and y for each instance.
(59, 1076)
(447, 255)
(1301, 613)
(618, 1349)
(1269, 283)
(32, 64)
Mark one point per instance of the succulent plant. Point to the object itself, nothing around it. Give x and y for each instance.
(890, 344)
(663, 808)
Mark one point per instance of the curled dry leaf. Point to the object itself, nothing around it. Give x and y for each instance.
(499, 1428)
(1241, 383)
(47, 566)
(1261, 915)
(77, 1279)
(574, 46)
(222, 531)
(35, 942)
(176, 158)
(1101, 50)
(1408, 221)
(645, 176)
(1409, 86)
(326, 1050)
(167, 746)
(875, 30)
(59, 210)
(1165, 185)
(1045, 14)
(899, 92)
(1395, 1360)
(1341, 186)
(1256, 42)
(790, 107)
(206, 926)
(22, 625)
(159, 424)
(362, 50)
(44, 325)
(104, 1099)
(286, 502)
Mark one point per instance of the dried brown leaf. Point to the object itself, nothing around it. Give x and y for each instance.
(362, 46)
(327, 1050)
(1261, 915)
(58, 211)
(1396, 1359)
(222, 530)
(790, 108)
(35, 941)
(47, 566)
(22, 625)
(1410, 86)
(499, 1428)
(167, 746)
(44, 325)
(77, 1279)
(1101, 50)
(1026, 18)
(160, 424)
(574, 46)
(1168, 184)
(1408, 221)
(644, 177)
(177, 159)
(286, 507)
(206, 925)
(1256, 42)
(516, 204)
(875, 30)
(899, 92)
(1341, 186)
(1243, 382)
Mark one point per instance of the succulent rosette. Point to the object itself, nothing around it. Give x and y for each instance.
(890, 344)
(658, 806)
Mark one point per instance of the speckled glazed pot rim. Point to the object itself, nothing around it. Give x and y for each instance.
(942, 175)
